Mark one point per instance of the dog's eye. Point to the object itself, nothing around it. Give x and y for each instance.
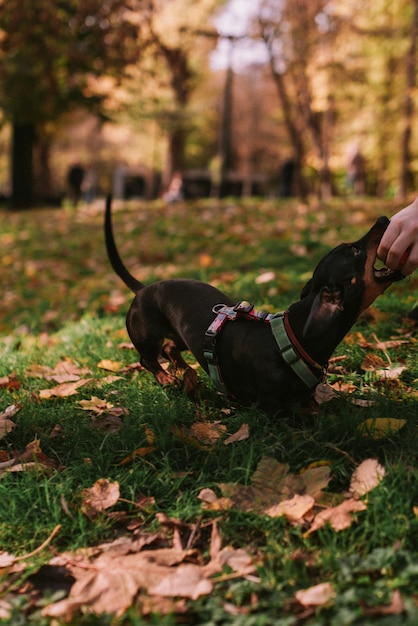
(356, 251)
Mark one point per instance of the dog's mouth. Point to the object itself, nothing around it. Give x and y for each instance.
(381, 273)
(385, 275)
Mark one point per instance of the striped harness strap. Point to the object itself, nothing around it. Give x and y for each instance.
(290, 349)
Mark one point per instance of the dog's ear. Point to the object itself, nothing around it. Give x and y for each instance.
(327, 305)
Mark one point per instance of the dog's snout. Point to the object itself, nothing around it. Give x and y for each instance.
(376, 232)
(383, 221)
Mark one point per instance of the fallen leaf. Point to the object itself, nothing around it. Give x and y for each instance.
(187, 580)
(112, 578)
(293, 509)
(315, 480)
(6, 424)
(324, 393)
(339, 516)
(266, 277)
(380, 427)
(64, 390)
(101, 496)
(6, 559)
(96, 405)
(212, 502)
(373, 362)
(110, 366)
(207, 432)
(241, 434)
(139, 452)
(366, 477)
(9, 382)
(390, 373)
(318, 595)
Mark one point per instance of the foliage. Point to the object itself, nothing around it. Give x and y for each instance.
(101, 469)
(50, 52)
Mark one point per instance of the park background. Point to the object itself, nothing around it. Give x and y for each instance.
(232, 95)
(126, 504)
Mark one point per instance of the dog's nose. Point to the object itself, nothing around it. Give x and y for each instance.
(382, 221)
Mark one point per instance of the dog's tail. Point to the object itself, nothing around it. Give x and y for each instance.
(113, 254)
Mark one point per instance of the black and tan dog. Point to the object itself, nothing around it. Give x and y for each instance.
(258, 358)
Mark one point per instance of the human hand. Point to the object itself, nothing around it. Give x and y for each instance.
(398, 248)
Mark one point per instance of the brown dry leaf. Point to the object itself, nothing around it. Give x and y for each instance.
(324, 393)
(318, 595)
(9, 382)
(373, 362)
(109, 581)
(363, 403)
(96, 405)
(241, 434)
(207, 432)
(6, 424)
(388, 345)
(64, 390)
(211, 502)
(316, 479)
(110, 366)
(5, 609)
(6, 559)
(344, 387)
(339, 516)
(381, 427)
(187, 580)
(101, 496)
(106, 423)
(294, 509)
(65, 371)
(139, 452)
(390, 373)
(366, 477)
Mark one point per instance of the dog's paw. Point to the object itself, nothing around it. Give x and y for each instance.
(164, 378)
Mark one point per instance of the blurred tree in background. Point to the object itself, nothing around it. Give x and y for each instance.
(50, 55)
(333, 78)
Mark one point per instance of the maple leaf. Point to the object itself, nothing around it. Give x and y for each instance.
(96, 405)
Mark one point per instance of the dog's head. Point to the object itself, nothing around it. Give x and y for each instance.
(346, 282)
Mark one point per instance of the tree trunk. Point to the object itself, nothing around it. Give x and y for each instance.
(408, 108)
(22, 165)
(294, 135)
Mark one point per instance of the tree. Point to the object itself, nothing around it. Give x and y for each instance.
(178, 38)
(51, 57)
(299, 35)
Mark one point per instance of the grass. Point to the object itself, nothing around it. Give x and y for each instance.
(61, 300)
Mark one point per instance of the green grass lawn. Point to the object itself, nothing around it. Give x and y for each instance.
(62, 322)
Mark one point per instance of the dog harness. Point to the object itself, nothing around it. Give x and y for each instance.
(291, 351)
